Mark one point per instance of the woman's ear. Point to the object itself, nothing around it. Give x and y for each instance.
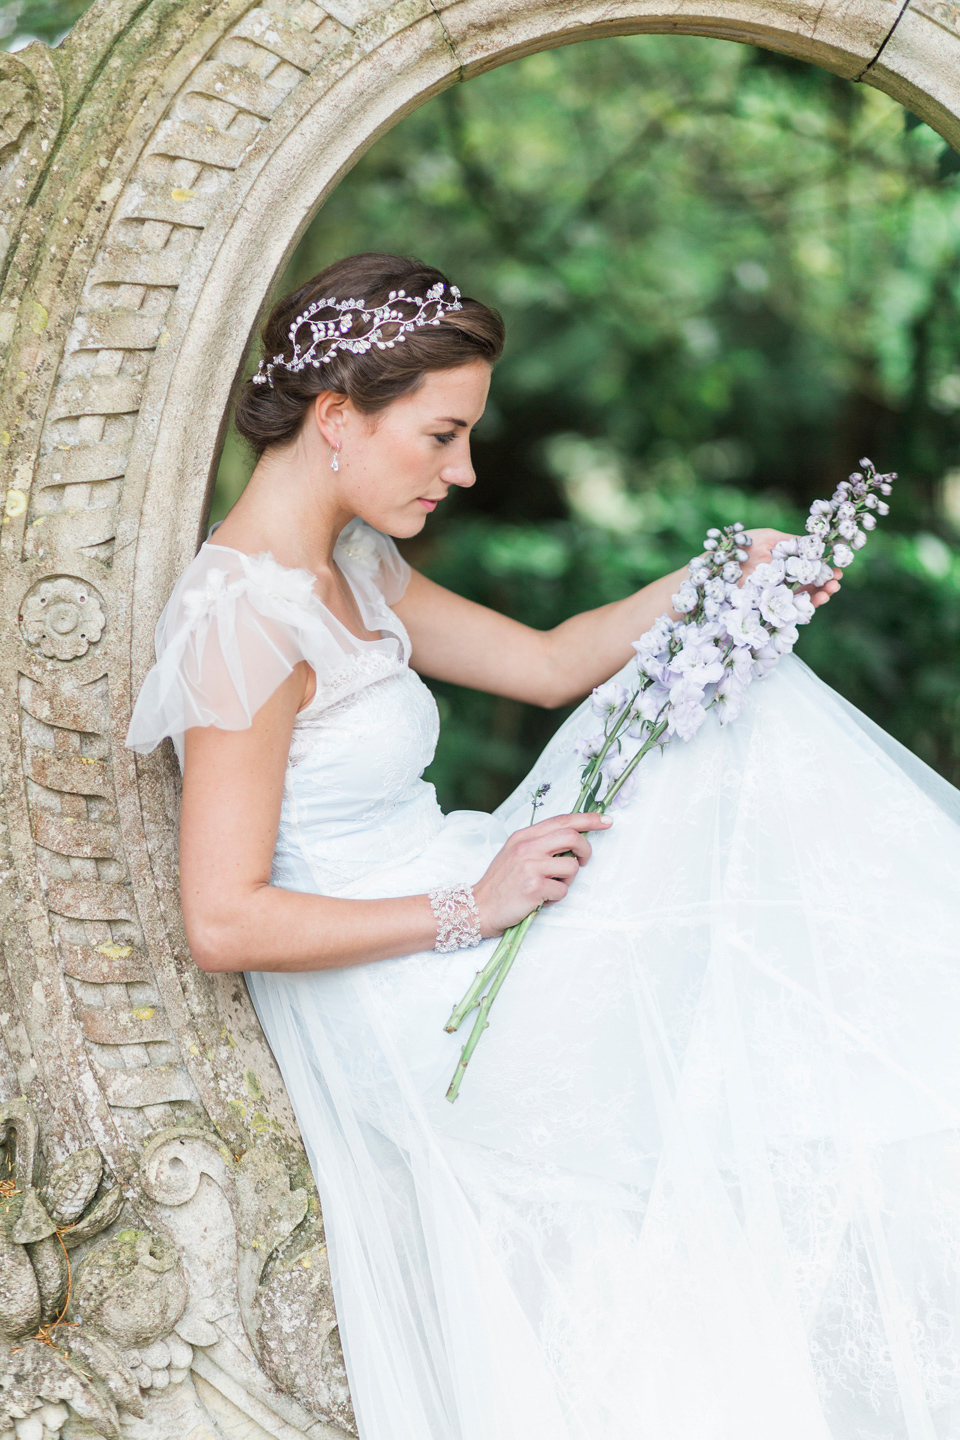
(328, 414)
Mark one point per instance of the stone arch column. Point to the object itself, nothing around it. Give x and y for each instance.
(156, 171)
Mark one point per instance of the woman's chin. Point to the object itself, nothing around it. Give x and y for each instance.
(408, 522)
(402, 523)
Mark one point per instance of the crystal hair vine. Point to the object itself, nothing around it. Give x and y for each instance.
(329, 336)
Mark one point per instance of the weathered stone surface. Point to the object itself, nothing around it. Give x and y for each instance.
(156, 170)
(133, 1288)
(81, 1367)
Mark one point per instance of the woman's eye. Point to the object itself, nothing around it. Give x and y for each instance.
(445, 439)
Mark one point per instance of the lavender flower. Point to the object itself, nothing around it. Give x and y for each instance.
(608, 700)
(730, 635)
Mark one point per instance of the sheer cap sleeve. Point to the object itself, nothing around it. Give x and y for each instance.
(228, 636)
(237, 624)
(373, 557)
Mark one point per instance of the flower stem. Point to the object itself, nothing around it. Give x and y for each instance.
(516, 934)
(647, 745)
(472, 998)
(591, 779)
(498, 966)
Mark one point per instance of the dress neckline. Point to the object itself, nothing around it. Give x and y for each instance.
(302, 570)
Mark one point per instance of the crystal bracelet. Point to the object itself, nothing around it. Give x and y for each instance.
(458, 919)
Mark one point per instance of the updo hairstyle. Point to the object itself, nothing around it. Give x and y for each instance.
(273, 414)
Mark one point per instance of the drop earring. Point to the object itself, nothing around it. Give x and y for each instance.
(335, 460)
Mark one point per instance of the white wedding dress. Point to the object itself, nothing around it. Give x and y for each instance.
(703, 1178)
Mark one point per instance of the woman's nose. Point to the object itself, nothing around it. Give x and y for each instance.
(461, 472)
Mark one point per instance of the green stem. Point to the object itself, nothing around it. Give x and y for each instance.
(498, 966)
(472, 998)
(593, 774)
(647, 745)
(517, 934)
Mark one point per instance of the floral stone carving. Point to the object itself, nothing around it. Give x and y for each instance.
(62, 617)
(259, 1275)
(132, 1288)
(44, 1362)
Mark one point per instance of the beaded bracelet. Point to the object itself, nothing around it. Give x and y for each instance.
(458, 919)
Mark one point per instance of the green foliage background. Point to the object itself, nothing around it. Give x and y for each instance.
(726, 276)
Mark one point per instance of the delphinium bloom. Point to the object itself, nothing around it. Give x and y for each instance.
(731, 631)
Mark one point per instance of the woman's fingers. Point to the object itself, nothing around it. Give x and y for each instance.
(542, 852)
(535, 867)
(822, 594)
(563, 867)
(563, 840)
(590, 821)
(561, 834)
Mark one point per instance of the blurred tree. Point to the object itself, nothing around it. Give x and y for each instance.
(720, 268)
(49, 20)
(705, 254)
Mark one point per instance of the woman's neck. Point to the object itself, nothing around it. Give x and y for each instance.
(284, 510)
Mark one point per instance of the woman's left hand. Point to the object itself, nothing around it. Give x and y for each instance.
(762, 550)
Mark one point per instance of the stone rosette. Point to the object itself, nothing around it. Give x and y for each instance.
(62, 617)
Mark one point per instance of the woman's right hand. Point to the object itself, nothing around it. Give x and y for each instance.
(537, 866)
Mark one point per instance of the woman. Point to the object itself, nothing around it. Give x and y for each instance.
(703, 1178)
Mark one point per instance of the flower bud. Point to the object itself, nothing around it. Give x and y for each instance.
(709, 544)
(713, 534)
(869, 522)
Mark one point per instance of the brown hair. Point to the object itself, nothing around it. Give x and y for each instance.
(273, 414)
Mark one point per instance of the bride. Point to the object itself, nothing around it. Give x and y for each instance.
(703, 1178)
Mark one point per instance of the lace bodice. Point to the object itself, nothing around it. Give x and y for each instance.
(354, 802)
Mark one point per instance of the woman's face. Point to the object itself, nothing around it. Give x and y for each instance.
(397, 465)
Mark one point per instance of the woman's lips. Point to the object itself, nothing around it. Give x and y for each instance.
(427, 504)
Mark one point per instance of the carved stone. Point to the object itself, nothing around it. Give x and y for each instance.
(156, 170)
(62, 617)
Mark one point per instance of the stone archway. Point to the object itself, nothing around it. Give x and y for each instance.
(156, 171)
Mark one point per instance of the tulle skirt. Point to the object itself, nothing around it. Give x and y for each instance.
(703, 1178)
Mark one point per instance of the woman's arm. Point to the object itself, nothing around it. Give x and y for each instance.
(236, 920)
(456, 639)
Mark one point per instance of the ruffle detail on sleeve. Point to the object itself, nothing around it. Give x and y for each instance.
(374, 557)
(230, 634)
(237, 624)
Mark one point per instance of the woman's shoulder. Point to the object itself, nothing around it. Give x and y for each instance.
(236, 624)
(233, 629)
(220, 577)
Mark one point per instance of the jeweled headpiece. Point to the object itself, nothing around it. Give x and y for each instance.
(406, 312)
